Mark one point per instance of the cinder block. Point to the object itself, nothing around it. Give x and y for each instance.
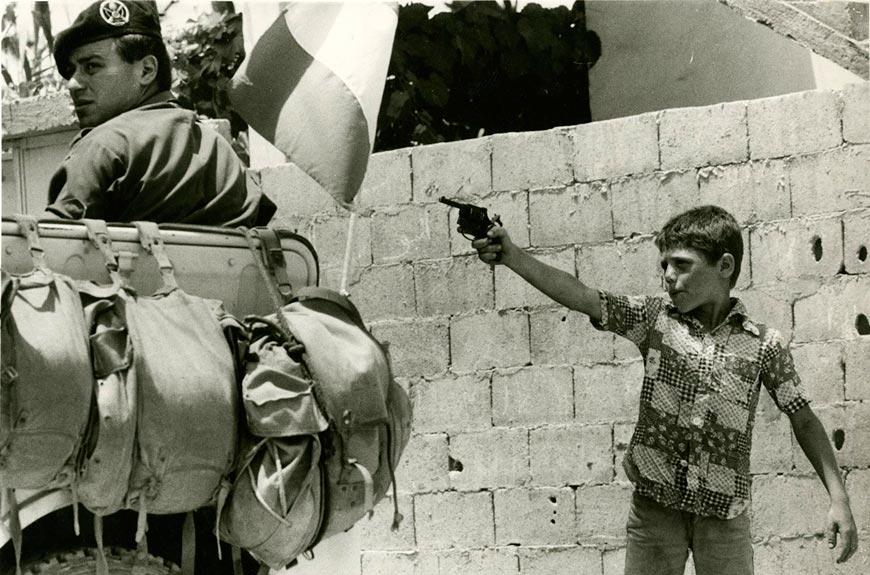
(564, 337)
(572, 215)
(513, 210)
(497, 457)
(821, 368)
(771, 444)
(453, 285)
(770, 306)
(537, 516)
(840, 309)
(567, 560)
(856, 241)
(330, 241)
(532, 396)
(398, 563)
(627, 266)
(29, 116)
(388, 179)
(848, 429)
(774, 133)
(644, 203)
(492, 339)
(418, 347)
(531, 160)
(831, 181)
(607, 392)
(454, 520)
(703, 136)
(751, 192)
(613, 560)
(385, 292)
(490, 561)
(409, 233)
(811, 556)
(857, 369)
(376, 534)
(622, 433)
(452, 404)
(858, 488)
(602, 511)
(810, 246)
(424, 464)
(512, 291)
(788, 506)
(631, 146)
(294, 192)
(571, 455)
(452, 169)
(856, 110)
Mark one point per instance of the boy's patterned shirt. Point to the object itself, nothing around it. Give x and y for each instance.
(690, 448)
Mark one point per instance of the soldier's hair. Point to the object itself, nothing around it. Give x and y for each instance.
(709, 230)
(134, 47)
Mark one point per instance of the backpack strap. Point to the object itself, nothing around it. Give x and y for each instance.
(14, 527)
(152, 241)
(99, 236)
(102, 565)
(29, 228)
(188, 544)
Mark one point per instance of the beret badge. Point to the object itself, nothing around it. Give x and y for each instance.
(114, 13)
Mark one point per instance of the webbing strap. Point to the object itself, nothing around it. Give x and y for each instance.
(237, 560)
(223, 493)
(14, 527)
(273, 256)
(152, 241)
(102, 564)
(99, 236)
(188, 545)
(369, 486)
(30, 230)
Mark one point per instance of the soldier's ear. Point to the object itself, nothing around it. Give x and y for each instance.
(147, 70)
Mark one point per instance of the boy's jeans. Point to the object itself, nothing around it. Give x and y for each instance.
(659, 540)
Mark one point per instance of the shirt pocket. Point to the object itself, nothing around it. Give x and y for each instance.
(735, 379)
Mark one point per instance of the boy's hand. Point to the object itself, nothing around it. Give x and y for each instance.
(840, 521)
(494, 247)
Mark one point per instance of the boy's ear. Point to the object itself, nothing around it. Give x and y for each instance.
(726, 265)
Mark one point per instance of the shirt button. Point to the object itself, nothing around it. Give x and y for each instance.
(699, 421)
(684, 463)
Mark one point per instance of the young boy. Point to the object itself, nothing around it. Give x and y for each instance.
(705, 360)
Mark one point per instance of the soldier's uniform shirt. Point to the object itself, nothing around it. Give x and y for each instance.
(690, 448)
(155, 163)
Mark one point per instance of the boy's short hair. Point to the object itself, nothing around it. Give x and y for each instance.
(709, 230)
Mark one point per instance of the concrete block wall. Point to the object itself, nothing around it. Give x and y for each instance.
(522, 410)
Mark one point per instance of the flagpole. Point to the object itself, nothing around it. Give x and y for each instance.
(347, 253)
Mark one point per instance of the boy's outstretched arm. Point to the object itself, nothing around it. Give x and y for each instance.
(560, 286)
(815, 444)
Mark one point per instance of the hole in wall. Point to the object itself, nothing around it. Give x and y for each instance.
(862, 324)
(454, 464)
(564, 318)
(839, 438)
(862, 253)
(552, 499)
(817, 248)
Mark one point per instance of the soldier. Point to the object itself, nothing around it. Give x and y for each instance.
(140, 155)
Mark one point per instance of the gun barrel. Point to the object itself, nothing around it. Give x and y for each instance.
(451, 203)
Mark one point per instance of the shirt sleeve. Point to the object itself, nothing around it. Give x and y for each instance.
(779, 376)
(80, 185)
(631, 317)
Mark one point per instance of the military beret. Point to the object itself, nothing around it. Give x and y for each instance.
(106, 19)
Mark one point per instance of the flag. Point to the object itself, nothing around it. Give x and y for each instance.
(312, 83)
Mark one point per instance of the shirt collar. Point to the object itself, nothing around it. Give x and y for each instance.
(738, 316)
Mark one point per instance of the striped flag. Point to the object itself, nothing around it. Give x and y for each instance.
(312, 83)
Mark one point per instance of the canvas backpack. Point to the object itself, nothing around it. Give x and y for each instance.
(46, 374)
(320, 394)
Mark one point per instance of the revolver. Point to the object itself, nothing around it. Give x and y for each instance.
(473, 220)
